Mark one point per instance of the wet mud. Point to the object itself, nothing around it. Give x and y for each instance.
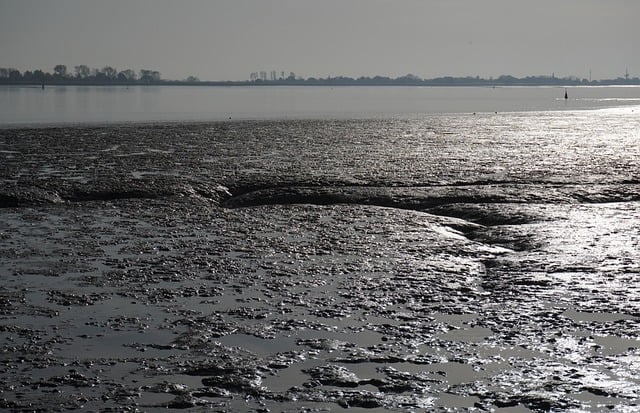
(207, 268)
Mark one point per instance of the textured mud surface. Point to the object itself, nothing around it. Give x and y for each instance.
(296, 267)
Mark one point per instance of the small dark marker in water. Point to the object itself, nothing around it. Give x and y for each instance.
(566, 96)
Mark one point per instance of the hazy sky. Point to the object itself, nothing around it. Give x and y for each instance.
(229, 39)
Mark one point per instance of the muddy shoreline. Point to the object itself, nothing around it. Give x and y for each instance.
(218, 267)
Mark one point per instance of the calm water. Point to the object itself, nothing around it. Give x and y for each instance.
(88, 104)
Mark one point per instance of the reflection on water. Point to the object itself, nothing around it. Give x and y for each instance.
(20, 105)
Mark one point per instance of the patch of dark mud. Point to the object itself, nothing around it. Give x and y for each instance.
(506, 237)
(61, 401)
(235, 383)
(397, 381)
(466, 201)
(12, 197)
(536, 403)
(73, 379)
(15, 303)
(392, 380)
(110, 190)
(332, 375)
(51, 268)
(489, 214)
(71, 298)
(344, 398)
(156, 188)
(416, 198)
(22, 344)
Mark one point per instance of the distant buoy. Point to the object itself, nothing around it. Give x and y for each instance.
(566, 96)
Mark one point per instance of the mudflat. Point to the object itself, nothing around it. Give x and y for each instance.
(451, 263)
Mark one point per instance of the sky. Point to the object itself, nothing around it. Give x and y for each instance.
(229, 39)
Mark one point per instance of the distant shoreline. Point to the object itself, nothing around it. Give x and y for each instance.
(445, 82)
(109, 76)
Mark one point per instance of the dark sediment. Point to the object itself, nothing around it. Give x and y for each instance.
(218, 267)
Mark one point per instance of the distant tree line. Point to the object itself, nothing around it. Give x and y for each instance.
(81, 74)
(412, 80)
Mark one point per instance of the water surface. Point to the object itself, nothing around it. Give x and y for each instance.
(27, 105)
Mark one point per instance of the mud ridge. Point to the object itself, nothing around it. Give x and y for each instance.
(469, 202)
(23, 197)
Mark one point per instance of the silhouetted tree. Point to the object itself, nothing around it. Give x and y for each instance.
(82, 71)
(149, 75)
(507, 79)
(10, 73)
(60, 71)
(408, 79)
(109, 72)
(15, 74)
(39, 75)
(127, 75)
(36, 76)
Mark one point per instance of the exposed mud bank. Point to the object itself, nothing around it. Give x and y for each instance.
(206, 267)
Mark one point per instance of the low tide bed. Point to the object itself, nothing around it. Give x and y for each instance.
(452, 263)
